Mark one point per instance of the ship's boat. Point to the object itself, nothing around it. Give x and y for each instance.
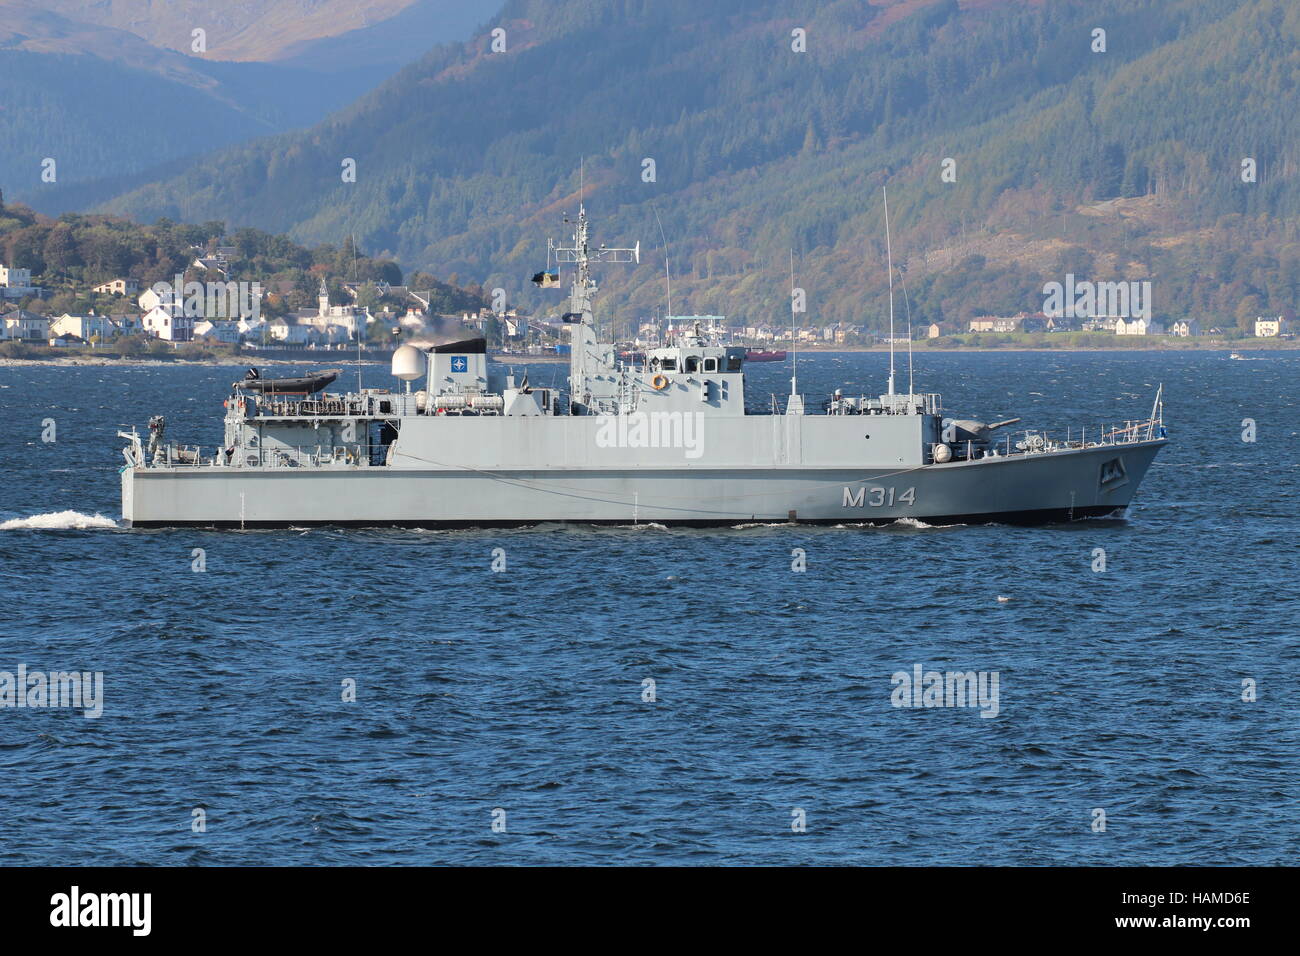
(302, 385)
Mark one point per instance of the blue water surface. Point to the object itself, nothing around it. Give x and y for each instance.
(522, 691)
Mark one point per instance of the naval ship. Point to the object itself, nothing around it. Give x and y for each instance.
(668, 439)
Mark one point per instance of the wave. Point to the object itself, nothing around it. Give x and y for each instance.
(58, 521)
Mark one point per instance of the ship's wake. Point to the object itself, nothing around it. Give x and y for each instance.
(59, 521)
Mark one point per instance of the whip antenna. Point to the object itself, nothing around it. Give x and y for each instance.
(889, 258)
(668, 278)
(902, 277)
(794, 345)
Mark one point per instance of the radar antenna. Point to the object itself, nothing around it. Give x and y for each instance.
(582, 255)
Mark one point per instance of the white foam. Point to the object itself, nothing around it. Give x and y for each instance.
(912, 523)
(58, 521)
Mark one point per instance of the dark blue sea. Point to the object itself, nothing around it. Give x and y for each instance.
(522, 691)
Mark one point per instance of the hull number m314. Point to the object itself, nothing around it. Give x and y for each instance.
(878, 497)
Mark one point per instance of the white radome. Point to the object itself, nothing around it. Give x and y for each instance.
(408, 363)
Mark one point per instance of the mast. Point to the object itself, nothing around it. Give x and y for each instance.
(581, 292)
(794, 344)
(668, 276)
(911, 388)
(889, 258)
(907, 305)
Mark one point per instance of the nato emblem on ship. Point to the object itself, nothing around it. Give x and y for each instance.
(667, 439)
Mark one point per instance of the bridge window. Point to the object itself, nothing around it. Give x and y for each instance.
(734, 362)
(691, 363)
(668, 364)
(710, 365)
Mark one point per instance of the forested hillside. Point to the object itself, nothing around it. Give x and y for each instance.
(70, 255)
(1122, 164)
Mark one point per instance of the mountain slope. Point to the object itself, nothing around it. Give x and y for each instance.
(109, 107)
(248, 30)
(1122, 164)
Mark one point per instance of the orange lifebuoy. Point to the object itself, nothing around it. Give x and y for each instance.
(659, 382)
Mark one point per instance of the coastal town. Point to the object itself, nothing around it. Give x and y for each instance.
(206, 308)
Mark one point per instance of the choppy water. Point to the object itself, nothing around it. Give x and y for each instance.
(523, 690)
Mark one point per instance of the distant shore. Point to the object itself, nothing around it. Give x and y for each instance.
(919, 348)
(96, 360)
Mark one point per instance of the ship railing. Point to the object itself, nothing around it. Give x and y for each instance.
(319, 456)
(311, 457)
(329, 406)
(918, 403)
(1132, 431)
(1036, 442)
(134, 451)
(182, 454)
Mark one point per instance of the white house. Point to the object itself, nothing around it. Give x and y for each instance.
(1103, 323)
(16, 283)
(126, 323)
(215, 264)
(82, 326)
(223, 330)
(1138, 326)
(334, 322)
(150, 299)
(21, 324)
(1185, 328)
(289, 332)
(66, 340)
(161, 323)
(1270, 328)
(118, 287)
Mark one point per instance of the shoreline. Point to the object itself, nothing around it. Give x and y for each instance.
(68, 361)
(244, 361)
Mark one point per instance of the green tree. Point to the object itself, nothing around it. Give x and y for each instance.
(1249, 309)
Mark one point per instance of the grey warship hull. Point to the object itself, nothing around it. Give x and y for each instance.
(1046, 487)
